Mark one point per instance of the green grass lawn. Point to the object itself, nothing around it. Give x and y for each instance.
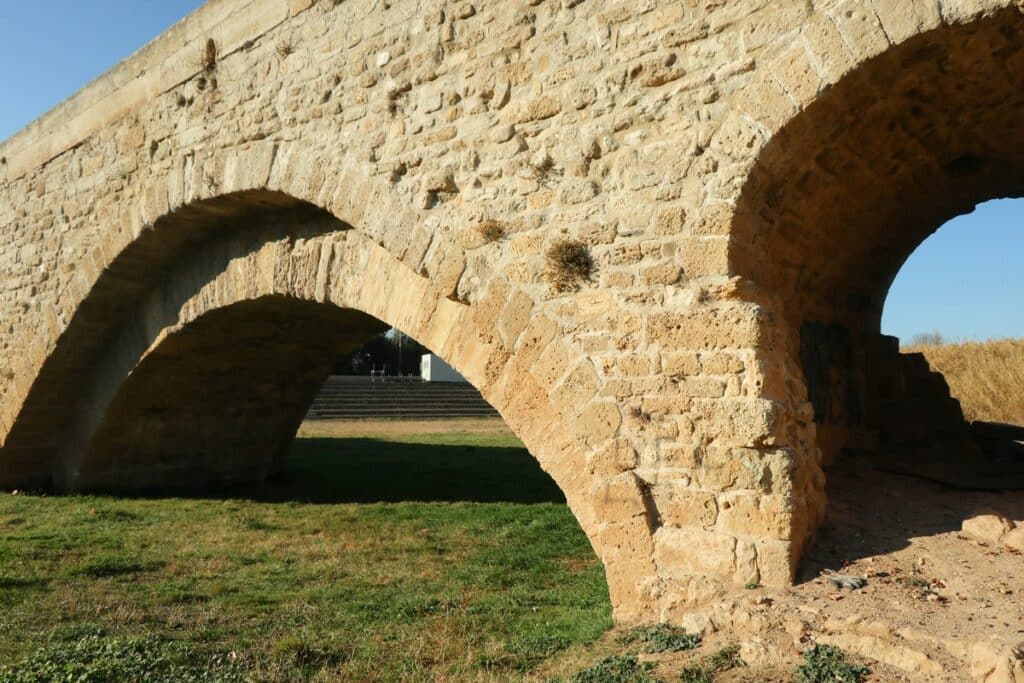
(424, 557)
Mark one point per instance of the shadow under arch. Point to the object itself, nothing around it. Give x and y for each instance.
(40, 427)
(212, 409)
(840, 196)
(295, 264)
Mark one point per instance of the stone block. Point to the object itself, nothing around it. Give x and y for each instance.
(514, 317)
(797, 75)
(689, 551)
(598, 421)
(706, 328)
(682, 506)
(903, 19)
(987, 528)
(755, 515)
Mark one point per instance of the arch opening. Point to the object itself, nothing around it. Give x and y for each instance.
(964, 332)
(213, 370)
(961, 283)
(841, 196)
(220, 400)
(153, 319)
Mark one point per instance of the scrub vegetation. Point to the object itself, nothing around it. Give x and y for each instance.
(986, 377)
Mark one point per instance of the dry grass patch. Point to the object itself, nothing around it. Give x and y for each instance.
(986, 377)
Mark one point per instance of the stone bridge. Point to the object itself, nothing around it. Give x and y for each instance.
(657, 235)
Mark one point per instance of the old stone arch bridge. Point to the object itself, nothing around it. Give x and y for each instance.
(190, 242)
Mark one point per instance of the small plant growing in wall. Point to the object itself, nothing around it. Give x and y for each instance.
(491, 230)
(210, 57)
(569, 264)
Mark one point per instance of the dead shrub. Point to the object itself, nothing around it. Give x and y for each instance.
(210, 56)
(569, 265)
(491, 230)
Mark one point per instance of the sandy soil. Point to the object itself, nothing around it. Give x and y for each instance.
(939, 604)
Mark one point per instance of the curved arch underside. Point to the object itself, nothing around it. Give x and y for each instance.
(220, 400)
(841, 196)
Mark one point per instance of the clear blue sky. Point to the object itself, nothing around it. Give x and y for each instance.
(49, 49)
(965, 282)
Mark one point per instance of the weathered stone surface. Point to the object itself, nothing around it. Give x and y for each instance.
(987, 528)
(1014, 539)
(885, 650)
(995, 663)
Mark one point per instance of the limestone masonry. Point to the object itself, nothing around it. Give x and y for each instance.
(189, 243)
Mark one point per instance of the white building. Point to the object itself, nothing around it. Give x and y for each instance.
(433, 369)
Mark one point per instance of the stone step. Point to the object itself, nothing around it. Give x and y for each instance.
(363, 398)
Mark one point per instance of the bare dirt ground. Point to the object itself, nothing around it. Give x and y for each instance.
(940, 604)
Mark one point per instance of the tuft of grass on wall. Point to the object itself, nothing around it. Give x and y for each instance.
(569, 265)
(210, 56)
(491, 230)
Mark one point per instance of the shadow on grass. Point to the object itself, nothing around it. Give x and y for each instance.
(366, 470)
(12, 582)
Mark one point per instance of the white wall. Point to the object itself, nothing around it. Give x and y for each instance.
(433, 369)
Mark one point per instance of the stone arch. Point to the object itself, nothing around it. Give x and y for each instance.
(143, 236)
(257, 254)
(841, 193)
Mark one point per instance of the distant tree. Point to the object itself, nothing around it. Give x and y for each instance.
(928, 339)
(393, 352)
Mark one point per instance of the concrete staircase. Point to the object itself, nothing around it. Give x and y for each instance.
(393, 398)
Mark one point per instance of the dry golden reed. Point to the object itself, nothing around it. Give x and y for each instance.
(986, 377)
